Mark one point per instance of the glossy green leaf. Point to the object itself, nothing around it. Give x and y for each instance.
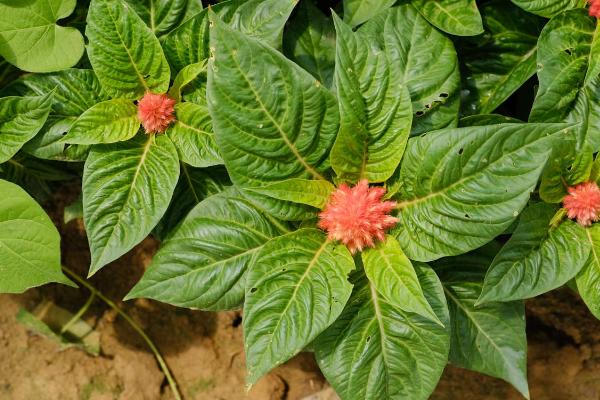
(486, 119)
(260, 19)
(548, 8)
(203, 262)
(377, 351)
(31, 39)
(314, 193)
(393, 276)
(456, 17)
(111, 121)
(358, 11)
(48, 145)
(161, 16)
(490, 338)
(186, 76)
(271, 132)
(497, 63)
(21, 118)
(566, 92)
(588, 279)
(126, 190)
(536, 259)
(192, 135)
(296, 288)
(125, 54)
(375, 105)
(460, 188)
(29, 243)
(309, 41)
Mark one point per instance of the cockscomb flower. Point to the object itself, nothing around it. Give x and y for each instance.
(357, 216)
(583, 203)
(156, 112)
(594, 8)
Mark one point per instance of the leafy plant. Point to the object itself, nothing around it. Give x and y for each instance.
(338, 174)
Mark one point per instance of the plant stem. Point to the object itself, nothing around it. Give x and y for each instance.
(135, 326)
(79, 314)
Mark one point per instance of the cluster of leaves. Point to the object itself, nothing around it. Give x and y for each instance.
(279, 102)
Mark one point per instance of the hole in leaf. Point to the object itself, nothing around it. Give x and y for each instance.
(419, 113)
(444, 95)
(467, 216)
(368, 339)
(237, 321)
(253, 290)
(569, 51)
(461, 150)
(283, 269)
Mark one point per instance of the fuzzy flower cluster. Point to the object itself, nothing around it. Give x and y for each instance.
(595, 8)
(357, 216)
(583, 203)
(156, 112)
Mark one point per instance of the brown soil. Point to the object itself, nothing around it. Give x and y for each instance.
(205, 351)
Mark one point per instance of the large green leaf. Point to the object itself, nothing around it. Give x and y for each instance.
(267, 132)
(111, 121)
(456, 17)
(192, 134)
(430, 66)
(459, 188)
(375, 106)
(296, 288)
(125, 54)
(537, 258)
(566, 49)
(161, 16)
(21, 118)
(588, 279)
(260, 19)
(29, 243)
(314, 193)
(393, 275)
(491, 338)
(30, 38)
(358, 11)
(377, 351)
(309, 41)
(497, 63)
(548, 8)
(202, 263)
(126, 190)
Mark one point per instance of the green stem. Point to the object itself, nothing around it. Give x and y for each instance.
(78, 315)
(135, 326)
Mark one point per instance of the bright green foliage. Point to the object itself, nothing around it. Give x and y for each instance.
(457, 17)
(358, 11)
(548, 8)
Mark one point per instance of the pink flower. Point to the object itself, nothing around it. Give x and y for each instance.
(155, 111)
(594, 8)
(583, 203)
(356, 216)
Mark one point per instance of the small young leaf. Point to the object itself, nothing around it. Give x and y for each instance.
(185, 77)
(456, 17)
(29, 243)
(314, 193)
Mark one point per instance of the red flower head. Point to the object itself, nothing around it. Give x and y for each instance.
(155, 111)
(594, 8)
(356, 216)
(583, 203)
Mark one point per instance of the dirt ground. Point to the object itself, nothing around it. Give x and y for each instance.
(205, 351)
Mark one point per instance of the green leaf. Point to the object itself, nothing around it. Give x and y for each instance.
(126, 190)
(111, 121)
(267, 133)
(295, 289)
(31, 40)
(430, 67)
(125, 54)
(491, 338)
(548, 8)
(29, 243)
(192, 135)
(161, 16)
(203, 262)
(460, 188)
(537, 258)
(260, 19)
(393, 275)
(358, 11)
(486, 119)
(186, 76)
(566, 92)
(456, 17)
(497, 63)
(375, 105)
(588, 279)
(309, 41)
(377, 351)
(21, 118)
(314, 193)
